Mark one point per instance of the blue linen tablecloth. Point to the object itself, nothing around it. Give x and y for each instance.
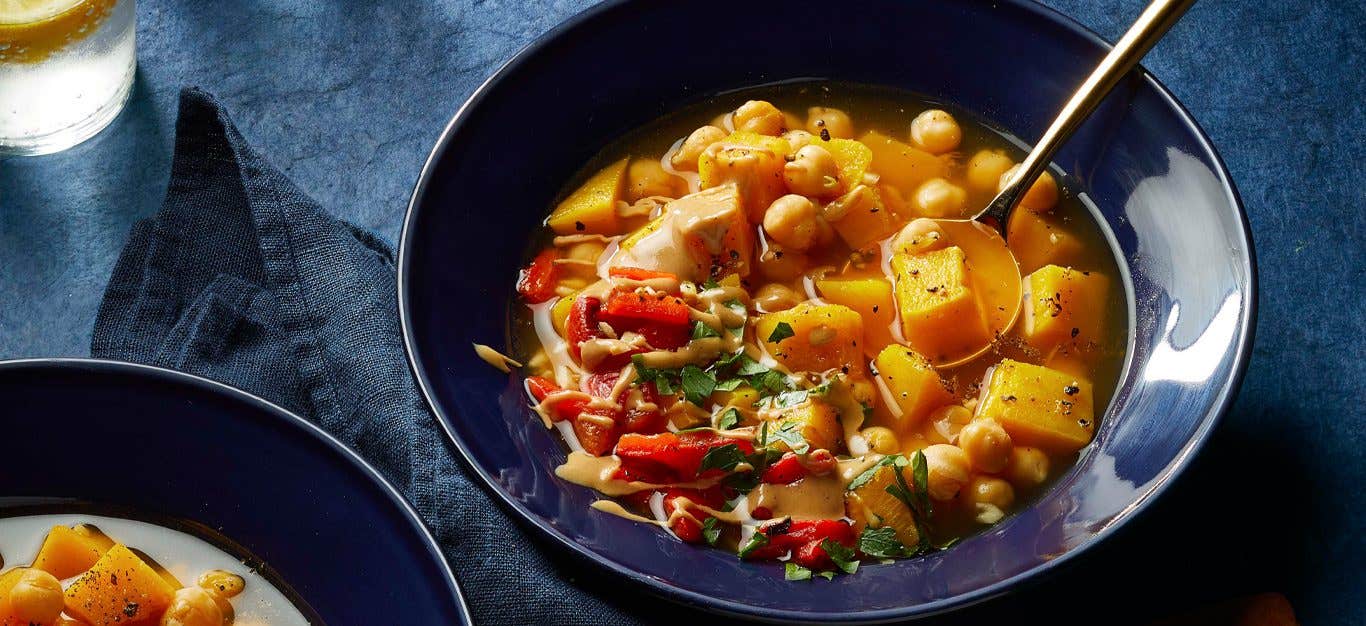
(323, 90)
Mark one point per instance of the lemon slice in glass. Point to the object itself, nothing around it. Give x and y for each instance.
(15, 12)
(32, 30)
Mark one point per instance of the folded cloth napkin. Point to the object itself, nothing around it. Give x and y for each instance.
(244, 279)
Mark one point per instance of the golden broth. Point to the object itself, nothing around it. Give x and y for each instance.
(891, 112)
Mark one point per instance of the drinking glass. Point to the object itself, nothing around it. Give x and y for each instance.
(66, 70)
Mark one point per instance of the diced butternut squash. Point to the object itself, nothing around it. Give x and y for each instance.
(914, 386)
(824, 337)
(872, 298)
(860, 217)
(740, 398)
(1070, 360)
(559, 312)
(870, 505)
(753, 162)
(940, 314)
(1063, 305)
(816, 420)
(1039, 407)
(592, 208)
(1038, 239)
(902, 165)
(70, 551)
(852, 157)
(120, 588)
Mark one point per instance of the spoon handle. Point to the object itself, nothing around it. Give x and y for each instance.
(1147, 29)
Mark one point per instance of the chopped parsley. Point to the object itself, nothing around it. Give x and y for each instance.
(701, 331)
(666, 380)
(792, 571)
(843, 557)
(749, 367)
(918, 499)
(729, 419)
(729, 384)
(795, 397)
(711, 530)
(868, 474)
(724, 458)
(758, 540)
(698, 384)
(787, 433)
(780, 332)
(882, 543)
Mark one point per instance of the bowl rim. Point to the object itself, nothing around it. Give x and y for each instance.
(1223, 400)
(278, 414)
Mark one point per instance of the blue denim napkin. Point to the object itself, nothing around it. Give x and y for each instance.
(244, 279)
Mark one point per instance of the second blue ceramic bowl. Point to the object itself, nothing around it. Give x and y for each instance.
(1177, 226)
(132, 441)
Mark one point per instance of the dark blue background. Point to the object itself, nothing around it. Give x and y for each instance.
(348, 101)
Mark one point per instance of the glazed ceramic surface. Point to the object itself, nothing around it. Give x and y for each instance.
(1149, 172)
(137, 442)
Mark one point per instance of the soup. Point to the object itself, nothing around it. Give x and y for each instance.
(763, 324)
(91, 570)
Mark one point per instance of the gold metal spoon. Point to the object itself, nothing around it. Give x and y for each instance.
(1001, 289)
(1151, 25)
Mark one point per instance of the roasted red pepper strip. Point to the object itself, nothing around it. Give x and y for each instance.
(541, 388)
(636, 273)
(670, 457)
(663, 320)
(646, 421)
(660, 308)
(636, 419)
(582, 324)
(784, 471)
(685, 521)
(537, 282)
(803, 539)
(597, 431)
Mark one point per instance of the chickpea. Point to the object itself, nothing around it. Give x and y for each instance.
(989, 490)
(36, 598)
(986, 444)
(985, 169)
(1027, 467)
(792, 221)
(759, 116)
(774, 297)
(192, 606)
(813, 172)
(936, 132)
(937, 197)
(1042, 195)
(949, 420)
(646, 177)
(783, 266)
(948, 470)
(221, 583)
(696, 143)
(791, 121)
(799, 139)
(881, 440)
(919, 236)
(833, 121)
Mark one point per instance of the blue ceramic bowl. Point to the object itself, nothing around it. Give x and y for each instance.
(1160, 188)
(135, 441)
